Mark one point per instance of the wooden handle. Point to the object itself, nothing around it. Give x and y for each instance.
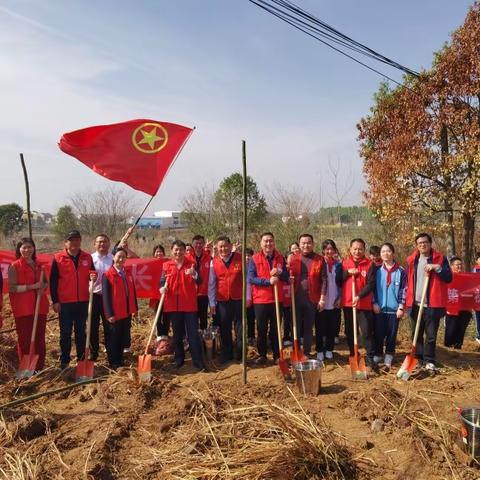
(157, 316)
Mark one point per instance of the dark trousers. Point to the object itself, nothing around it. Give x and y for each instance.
(118, 333)
(429, 323)
(287, 323)
(326, 326)
(338, 322)
(455, 327)
(127, 339)
(186, 323)
(365, 325)
(202, 306)
(265, 317)
(24, 326)
(306, 312)
(163, 326)
(250, 322)
(72, 316)
(230, 313)
(386, 327)
(477, 319)
(97, 314)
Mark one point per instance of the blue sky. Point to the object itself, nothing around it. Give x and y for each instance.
(225, 66)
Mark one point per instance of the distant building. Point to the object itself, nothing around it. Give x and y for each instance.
(162, 220)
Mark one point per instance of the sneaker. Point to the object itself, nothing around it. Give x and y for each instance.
(388, 360)
(336, 340)
(287, 343)
(126, 350)
(261, 361)
(477, 339)
(377, 359)
(328, 355)
(430, 367)
(320, 356)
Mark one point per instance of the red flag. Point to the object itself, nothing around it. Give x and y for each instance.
(138, 152)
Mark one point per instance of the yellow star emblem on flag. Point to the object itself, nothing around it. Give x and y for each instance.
(150, 137)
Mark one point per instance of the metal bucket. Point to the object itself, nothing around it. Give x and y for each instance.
(470, 430)
(308, 376)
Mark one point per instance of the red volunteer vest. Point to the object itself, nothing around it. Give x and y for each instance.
(314, 275)
(229, 280)
(203, 270)
(73, 283)
(122, 305)
(23, 304)
(181, 293)
(287, 294)
(264, 294)
(363, 266)
(437, 294)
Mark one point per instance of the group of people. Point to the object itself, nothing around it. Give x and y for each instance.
(208, 278)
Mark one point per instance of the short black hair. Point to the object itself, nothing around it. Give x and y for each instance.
(477, 255)
(102, 235)
(223, 238)
(420, 235)
(178, 243)
(249, 251)
(358, 240)
(264, 234)
(389, 245)
(121, 249)
(158, 247)
(198, 237)
(329, 242)
(374, 250)
(22, 242)
(455, 259)
(305, 235)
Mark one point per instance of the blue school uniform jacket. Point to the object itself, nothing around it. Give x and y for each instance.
(389, 298)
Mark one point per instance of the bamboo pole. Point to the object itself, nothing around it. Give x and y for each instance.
(244, 270)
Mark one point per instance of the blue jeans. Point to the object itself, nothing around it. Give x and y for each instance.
(386, 327)
(186, 322)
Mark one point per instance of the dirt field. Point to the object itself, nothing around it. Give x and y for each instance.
(187, 425)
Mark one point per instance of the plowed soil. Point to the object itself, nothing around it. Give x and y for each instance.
(188, 424)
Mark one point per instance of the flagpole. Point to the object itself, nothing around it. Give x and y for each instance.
(132, 228)
(244, 269)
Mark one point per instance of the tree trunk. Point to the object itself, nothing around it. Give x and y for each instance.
(468, 240)
(450, 235)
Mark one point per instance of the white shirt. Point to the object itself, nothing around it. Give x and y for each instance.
(102, 263)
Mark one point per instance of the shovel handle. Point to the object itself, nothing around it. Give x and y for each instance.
(35, 315)
(157, 316)
(294, 309)
(89, 314)
(279, 324)
(420, 309)
(354, 312)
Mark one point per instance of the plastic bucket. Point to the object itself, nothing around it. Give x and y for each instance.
(308, 376)
(470, 430)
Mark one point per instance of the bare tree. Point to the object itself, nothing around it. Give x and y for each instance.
(105, 211)
(342, 182)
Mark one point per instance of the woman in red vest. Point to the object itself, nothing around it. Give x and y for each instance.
(225, 297)
(359, 269)
(180, 305)
(24, 285)
(119, 304)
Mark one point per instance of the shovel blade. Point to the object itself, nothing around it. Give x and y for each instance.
(407, 368)
(28, 365)
(297, 355)
(358, 367)
(84, 370)
(144, 368)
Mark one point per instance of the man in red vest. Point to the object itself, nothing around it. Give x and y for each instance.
(202, 258)
(359, 269)
(225, 296)
(310, 280)
(69, 280)
(427, 261)
(265, 271)
(179, 283)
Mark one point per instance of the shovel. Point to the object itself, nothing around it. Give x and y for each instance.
(28, 362)
(145, 361)
(410, 362)
(297, 355)
(84, 370)
(357, 362)
(282, 363)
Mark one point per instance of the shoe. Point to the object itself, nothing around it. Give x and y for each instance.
(336, 340)
(126, 350)
(320, 356)
(477, 339)
(328, 355)
(430, 367)
(388, 360)
(287, 343)
(377, 359)
(64, 366)
(260, 361)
